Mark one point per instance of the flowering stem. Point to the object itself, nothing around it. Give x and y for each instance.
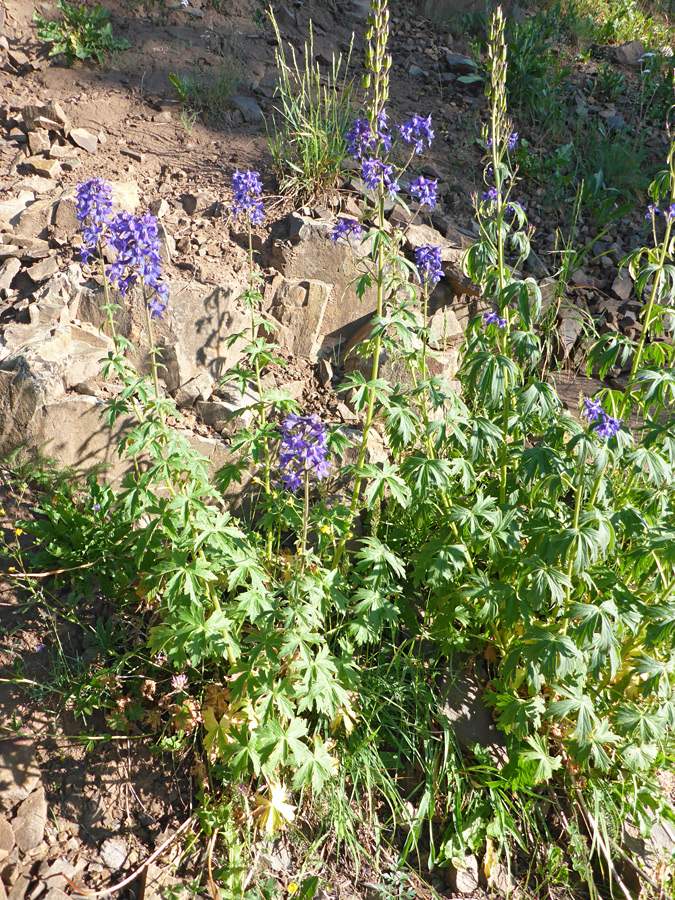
(261, 404)
(153, 355)
(371, 393)
(575, 527)
(305, 520)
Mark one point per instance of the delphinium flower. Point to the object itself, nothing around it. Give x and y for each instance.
(493, 318)
(592, 410)
(304, 448)
(94, 203)
(344, 227)
(135, 240)
(417, 131)
(424, 190)
(513, 138)
(374, 172)
(247, 188)
(428, 260)
(669, 213)
(652, 210)
(362, 139)
(490, 197)
(512, 205)
(606, 426)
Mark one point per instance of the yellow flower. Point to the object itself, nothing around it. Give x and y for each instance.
(18, 531)
(273, 812)
(292, 887)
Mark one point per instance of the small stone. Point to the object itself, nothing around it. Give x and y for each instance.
(249, 109)
(629, 54)
(50, 116)
(7, 274)
(6, 839)
(29, 824)
(47, 168)
(201, 202)
(136, 155)
(52, 873)
(39, 142)
(460, 65)
(43, 270)
(199, 388)
(84, 139)
(622, 287)
(62, 152)
(114, 853)
(466, 876)
(415, 72)
(159, 208)
(325, 372)
(162, 117)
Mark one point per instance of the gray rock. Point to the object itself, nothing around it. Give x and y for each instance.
(29, 824)
(19, 772)
(7, 274)
(462, 705)
(43, 270)
(415, 72)
(6, 839)
(460, 65)
(249, 108)
(49, 116)
(198, 388)
(622, 287)
(114, 853)
(629, 54)
(201, 202)
(84, 139)
(52, 872)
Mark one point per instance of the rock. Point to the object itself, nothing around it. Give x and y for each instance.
(52, 874)
(201, 202)
(6, 839)
(84, 139)
(629, 54)
(34, 219)
(460, 65)
(19, 772)
(219, 413)
(19, 888)
(535, 266)
(285, 16)
(249, 109)
(583, 279)
(465, 873)
(376, 450)
(46, 168)
(325, 372)
(299, 307)
(462, 705)
(43, 270)
(63, 152)
(451, 256)
(114, 853)
(39, 142)
(199, 388)
(30, 821)
(11, 208)
(159, 208)
(50, 116)
(622, 287)
(503, 882)
(570, 327)
(7, 273)
(415, 72)
(359, 187)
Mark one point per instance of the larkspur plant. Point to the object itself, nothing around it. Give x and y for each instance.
(501, 527)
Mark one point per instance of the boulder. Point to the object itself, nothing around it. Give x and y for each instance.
(299, 306)
(462, 705)
(30, 821)
(19, 772)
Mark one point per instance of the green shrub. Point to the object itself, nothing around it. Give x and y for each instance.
(81, 34)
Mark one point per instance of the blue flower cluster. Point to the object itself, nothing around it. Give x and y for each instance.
(134, 239)
(304, 448)
(417, 131)
(344, 228)
(424, 190)
(493, 318)
(247, 188)
(94, 203)
(607, 426)
(668, 213)
(374, 172)
(428, 260)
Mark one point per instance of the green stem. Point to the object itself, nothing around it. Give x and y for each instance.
(305, 522)
(575, 526)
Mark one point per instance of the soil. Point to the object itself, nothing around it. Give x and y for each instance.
(102, 790)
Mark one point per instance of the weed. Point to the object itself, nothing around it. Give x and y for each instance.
(80, 34)
(208, 97)
(307, 139)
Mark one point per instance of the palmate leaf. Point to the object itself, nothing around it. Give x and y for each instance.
(489, 376)
(639, 757)
(376, 560)
(438, 562)
(662, 626)
(538, 753)
(638, 722)
(424, 474)
(317, 768)
(549, 656)
(593, 746)
(538, 398)
(596, 624)
(546, 585)
(402, 422)
(651, 465)
(516, 714)
(575, 702)
(486, 439)
(655, 386)
(385, 476)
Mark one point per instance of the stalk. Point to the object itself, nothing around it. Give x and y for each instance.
(575, 526)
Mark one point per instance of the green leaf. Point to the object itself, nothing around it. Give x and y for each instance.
(538, 753)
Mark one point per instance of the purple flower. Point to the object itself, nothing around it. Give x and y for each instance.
(512, 205)
(362, 139)
(417, 131)
(511, 143)
(247, 188)
(428, 260)
(424, 190)
(304, 448)
(652, 210)
(96, 507)
(490, 197)
(593, 410)
(344, 227)
(493, 318)
(669, 213)
(374, 172)
(608, 427)
(94, 203)
(135, 241)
